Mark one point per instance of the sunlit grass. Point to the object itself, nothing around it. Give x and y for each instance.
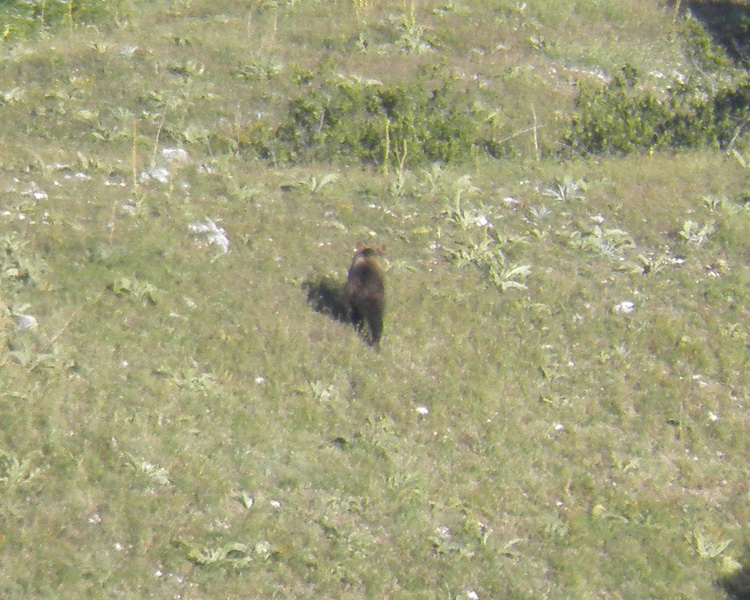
(558, 409)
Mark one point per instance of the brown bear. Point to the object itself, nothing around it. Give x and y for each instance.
(364, 291)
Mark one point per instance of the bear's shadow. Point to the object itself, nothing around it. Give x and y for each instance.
(326, 296)
(737, 584)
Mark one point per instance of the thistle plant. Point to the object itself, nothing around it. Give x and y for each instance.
(566, 190)
(610, 242)
(695, 234)
(706, 547)
(487, 255)
(151, 471)
(15, 471)
(463, 213)
(511, 278)
(412, 34)
(540, 213)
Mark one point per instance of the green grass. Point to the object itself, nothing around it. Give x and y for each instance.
(559, 408)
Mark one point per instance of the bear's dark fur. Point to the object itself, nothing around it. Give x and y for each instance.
(364, 291)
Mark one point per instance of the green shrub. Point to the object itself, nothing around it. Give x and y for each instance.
(700, 48)
(353, 120)
(19, 19)
(624, 117)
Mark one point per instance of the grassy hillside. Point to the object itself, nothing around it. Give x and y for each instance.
(560, 406)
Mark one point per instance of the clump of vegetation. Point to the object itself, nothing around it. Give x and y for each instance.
(19, 19)
(626, 115)
(431, 119)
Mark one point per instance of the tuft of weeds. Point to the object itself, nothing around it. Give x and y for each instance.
(488, 256)
(566, 190)
(695, 234)
(234, 556)
(15, 471)
(18, 264)
(708, 548)
(142, 291)
(148, 471)
(313, 184)
(412, 38)
(610, 242)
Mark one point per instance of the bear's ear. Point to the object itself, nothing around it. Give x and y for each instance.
(359, 247)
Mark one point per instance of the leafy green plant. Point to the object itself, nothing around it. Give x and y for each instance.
(540, 213)
(412, 33)
(140, 290)
(609, 242)
(714, 203)
(485, 252)
(652, 264)
(234, 556)
(487, 255)
(150, 471)
(15, 471)
(694, 233)
(510, 278)
(322, 392)
(708, 548)
(465, 213)
(263, 67)
(18, 263)
(313, 184)
(567, 189)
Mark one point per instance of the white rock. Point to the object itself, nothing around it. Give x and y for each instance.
(212, 233)
(26, 322)
(160, 174)
(625, 307)
(176, 156)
